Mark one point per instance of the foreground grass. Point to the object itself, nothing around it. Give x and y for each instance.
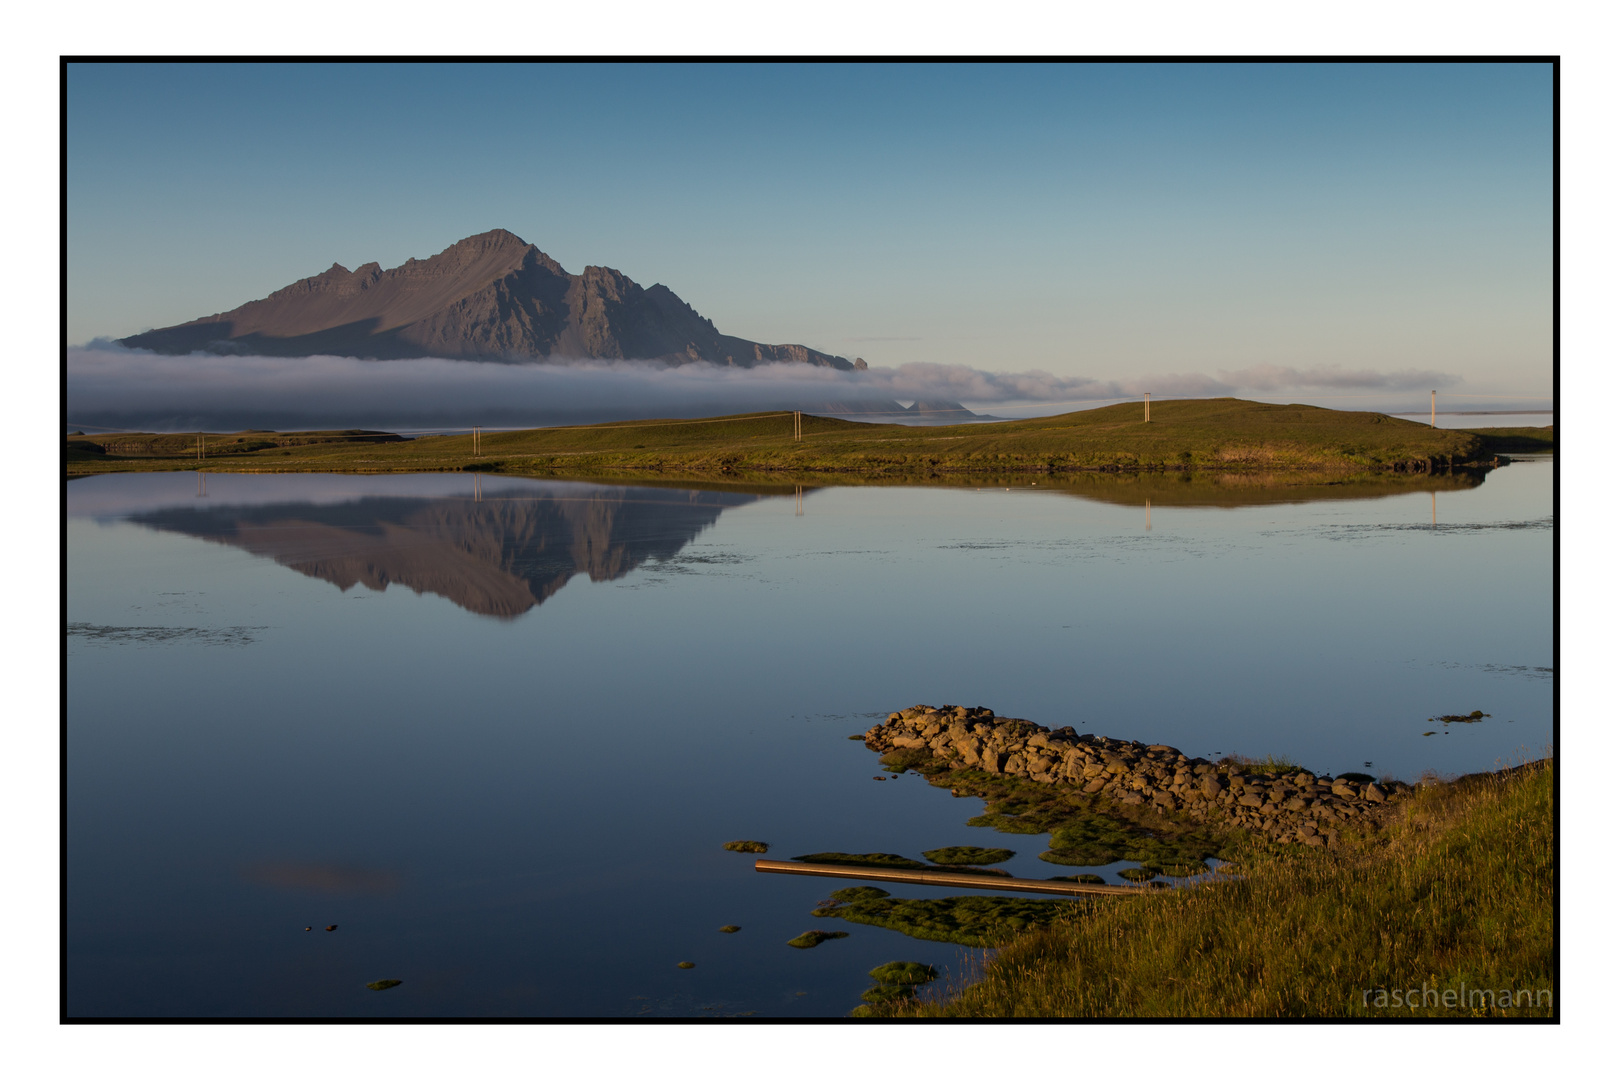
(1457, 896)
(1225, 434)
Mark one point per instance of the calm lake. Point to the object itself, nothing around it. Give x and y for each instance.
(497, 730)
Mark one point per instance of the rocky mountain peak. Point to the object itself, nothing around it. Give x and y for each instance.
(490, 296)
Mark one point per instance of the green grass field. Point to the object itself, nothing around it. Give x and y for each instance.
(1457, 896)
(1222, 435)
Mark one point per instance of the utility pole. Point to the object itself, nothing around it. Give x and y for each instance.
(1431, 408)
(1145, 416)
(798, 426)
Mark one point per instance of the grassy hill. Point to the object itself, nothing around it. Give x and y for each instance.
(1225, 434)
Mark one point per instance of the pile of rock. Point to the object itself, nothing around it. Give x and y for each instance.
(1288, 808)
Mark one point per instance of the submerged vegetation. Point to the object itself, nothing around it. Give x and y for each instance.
(1218, 435)
(894, 982)
(811, 938)
(1448, 911)
(978, 921)
(383, 984)
(1088, 829)
(1095, 839)
(968, 856)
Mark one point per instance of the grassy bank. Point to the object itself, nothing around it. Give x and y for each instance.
(1223, 435)
(1518, 440)
(1457, 896)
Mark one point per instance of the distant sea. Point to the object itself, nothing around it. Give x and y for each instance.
(1483, 419)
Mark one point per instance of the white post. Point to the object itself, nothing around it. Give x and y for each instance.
(1145, 417)
(1431, 408)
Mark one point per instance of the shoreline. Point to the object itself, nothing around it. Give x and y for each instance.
(1207, 436)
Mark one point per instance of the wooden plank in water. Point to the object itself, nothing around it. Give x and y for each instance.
(994, 882)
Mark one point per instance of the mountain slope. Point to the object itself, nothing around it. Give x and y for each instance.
(490, 297)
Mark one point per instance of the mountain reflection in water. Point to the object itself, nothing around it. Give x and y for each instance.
(509, 544)
(500, 555)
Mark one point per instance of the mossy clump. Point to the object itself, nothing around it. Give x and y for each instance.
(903, 972)
(1138, 873)
(858, 892)
(898, 761)
(752, 847)
(1009, 823)
(685, 964)
(975, 921)
(383, 984)
(871, 858)
(1097, 840)
(968, 856)
(730, 929)
(1471, 718)
(884, 993)
(811, 938)
(1270, 764)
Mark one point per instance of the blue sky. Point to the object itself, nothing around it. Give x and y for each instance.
(1111, 221)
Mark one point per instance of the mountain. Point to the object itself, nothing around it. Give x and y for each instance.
(492, 296)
